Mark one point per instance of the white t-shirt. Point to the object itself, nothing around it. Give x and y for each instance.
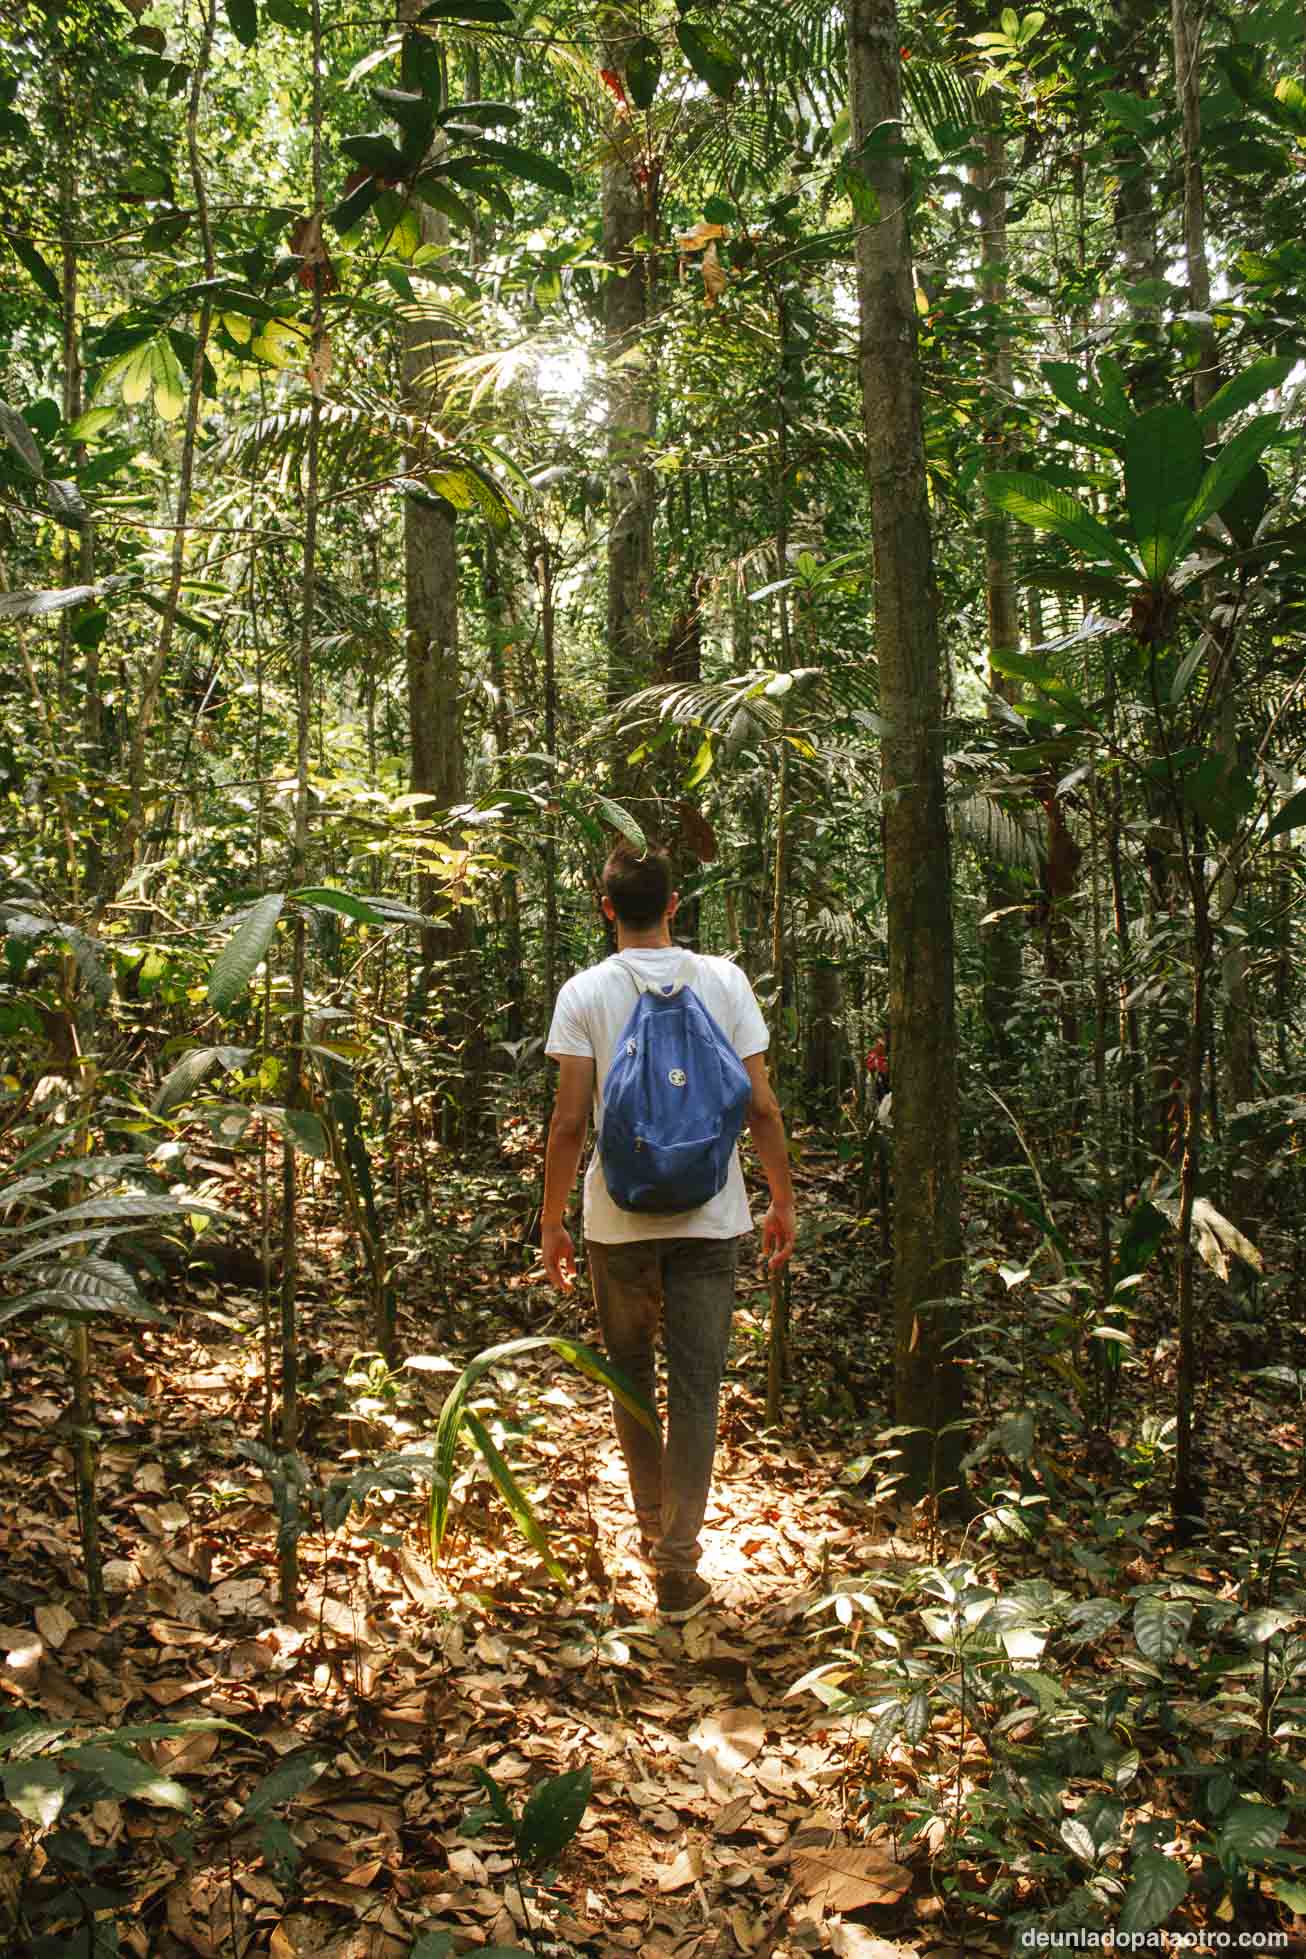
(592, 1009)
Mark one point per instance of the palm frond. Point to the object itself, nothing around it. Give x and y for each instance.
(999, 835)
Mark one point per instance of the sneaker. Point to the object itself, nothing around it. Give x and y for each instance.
(681, 1594)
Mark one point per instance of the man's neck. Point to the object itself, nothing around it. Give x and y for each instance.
(655, 939)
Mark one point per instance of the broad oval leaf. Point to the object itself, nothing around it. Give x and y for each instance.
(1249, 1830)
(127, 1775)
(916, 1718)
(242, 19)
(552, 1816)
(36, 1789)
(622, 820)
(374, 150)
(1159, 1627)
(1163, 471)
(643, 71)
(1159, 1884)
(236, 964)
(182, 1081)
(713, 60)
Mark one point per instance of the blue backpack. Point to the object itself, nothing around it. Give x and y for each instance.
(674, 1102)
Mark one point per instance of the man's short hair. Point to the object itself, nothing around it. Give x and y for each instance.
(639, 886)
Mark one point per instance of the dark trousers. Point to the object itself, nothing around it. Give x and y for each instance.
(686, 1286)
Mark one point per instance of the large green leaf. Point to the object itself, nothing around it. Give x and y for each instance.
(1250, 1830)
(1159, 1627)
(514, 1497)
(529, 165)
(35, 605)
(128, 1775)
(622, 820)
(374, 150)
(1291, 817)
(287, 1780)
(431, 188)
(1159, 1882)
(36, 1789)
(1044, 507)
(343, 902)
(1221, 792)
(1241, 390)
(643, 71)
(712, 59)
(42, 276)
(1163, 471)
(242, 19)
(180, 1083)
(553, 1815)
(1035, 670)
(20, 439)
(1235, 461)
(353, 208)
(1070, 387)
(236, 964)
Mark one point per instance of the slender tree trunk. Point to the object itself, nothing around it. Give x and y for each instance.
(1001, 940)
(918, 873)
(544, 574)
(147, 705)
(296, 1074)
(1186, 33)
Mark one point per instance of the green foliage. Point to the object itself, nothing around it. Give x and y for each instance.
(456, 1416)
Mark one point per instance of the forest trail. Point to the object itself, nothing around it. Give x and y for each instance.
(719, 1819)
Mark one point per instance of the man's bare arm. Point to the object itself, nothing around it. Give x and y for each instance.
(766, 1127)
(571, 1114)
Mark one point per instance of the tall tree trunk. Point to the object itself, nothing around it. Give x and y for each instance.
(502, 623)
(437, 759)
(629, 211)
(918, 872)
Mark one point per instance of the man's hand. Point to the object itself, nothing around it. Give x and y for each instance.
(559, 1255)
(778, 1235)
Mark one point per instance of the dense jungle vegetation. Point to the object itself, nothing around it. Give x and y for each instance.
(860, 450)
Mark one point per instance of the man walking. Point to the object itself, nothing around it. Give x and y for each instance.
(676, 1269)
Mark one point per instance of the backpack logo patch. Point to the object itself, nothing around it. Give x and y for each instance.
(677, 1077)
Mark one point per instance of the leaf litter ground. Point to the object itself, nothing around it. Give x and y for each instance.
(723, 1815)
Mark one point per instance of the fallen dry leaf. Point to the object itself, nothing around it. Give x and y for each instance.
(855, 1942)
(732, 1739)
(54, 1623)
(686, 1870)
(748, 1930)
(848, 1877)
